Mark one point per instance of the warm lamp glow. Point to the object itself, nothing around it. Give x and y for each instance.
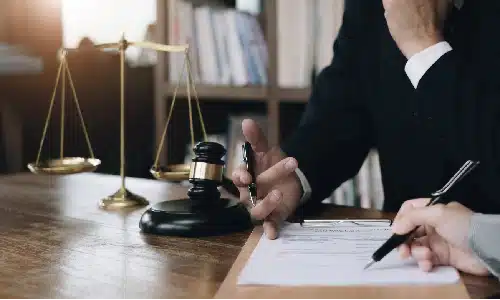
(104, 21)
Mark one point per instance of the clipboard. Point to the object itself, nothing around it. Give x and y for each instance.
(315, 223)
(230, 288)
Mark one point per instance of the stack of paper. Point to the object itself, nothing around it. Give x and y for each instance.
(334, 255)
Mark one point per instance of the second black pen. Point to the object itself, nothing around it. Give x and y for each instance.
(249, 160)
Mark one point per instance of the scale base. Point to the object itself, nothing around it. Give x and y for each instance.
(182, 218)
(123, 198)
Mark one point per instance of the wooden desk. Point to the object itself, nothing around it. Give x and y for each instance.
(55, 242)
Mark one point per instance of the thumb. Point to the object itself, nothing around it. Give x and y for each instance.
(254, 135)
(386, 3)
(412, 218)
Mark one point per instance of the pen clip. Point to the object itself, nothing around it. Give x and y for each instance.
(245, 154)
(459, 175)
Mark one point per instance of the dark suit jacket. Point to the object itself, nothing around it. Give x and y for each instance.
(365, 100)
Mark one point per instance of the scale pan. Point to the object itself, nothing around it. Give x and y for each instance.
(65, 166)
(178, 172)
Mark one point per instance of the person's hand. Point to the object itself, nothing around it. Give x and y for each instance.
(442, 237)
(416, 24)
(278, 188)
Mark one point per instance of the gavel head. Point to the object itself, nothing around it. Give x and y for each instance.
(207, 163)
(206, 172)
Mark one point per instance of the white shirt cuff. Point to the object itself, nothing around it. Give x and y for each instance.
(418, 64)
(306, 188)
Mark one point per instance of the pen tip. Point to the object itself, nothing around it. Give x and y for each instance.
(369, 265)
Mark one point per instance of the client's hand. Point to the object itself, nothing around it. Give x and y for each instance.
(442, 238)
(278, 188)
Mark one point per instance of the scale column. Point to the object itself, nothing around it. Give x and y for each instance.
(122, 198)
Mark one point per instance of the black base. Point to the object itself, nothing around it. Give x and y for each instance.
(181, 218)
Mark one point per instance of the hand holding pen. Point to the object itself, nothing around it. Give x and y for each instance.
(278, 189)
(442, 237)
(434, 204)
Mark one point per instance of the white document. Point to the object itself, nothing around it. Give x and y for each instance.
(334, 255)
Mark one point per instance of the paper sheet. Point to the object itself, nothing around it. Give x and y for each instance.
(334, 255)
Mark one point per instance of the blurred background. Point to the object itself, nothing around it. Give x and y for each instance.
(250, 58)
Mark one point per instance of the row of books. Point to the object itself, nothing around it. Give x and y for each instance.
(363, 190)
(305, 35)
(228, 47)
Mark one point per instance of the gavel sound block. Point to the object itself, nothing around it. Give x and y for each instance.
(204, 213)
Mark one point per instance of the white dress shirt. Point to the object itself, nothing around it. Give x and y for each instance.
(415, 69)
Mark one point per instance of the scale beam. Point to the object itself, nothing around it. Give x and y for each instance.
(160, 47)
(146, 45)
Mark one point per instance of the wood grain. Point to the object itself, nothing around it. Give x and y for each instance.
(55, 242)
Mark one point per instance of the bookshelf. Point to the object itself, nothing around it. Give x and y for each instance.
(271, 95)
(282, 106)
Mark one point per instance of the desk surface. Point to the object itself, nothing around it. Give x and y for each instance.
(56, 242)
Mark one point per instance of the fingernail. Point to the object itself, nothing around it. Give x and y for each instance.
(290, 164)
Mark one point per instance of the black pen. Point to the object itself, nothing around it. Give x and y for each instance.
(397, 240)
(249, 159)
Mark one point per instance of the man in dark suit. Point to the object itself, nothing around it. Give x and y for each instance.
(417, 80)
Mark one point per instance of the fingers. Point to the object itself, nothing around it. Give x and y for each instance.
(254, 135)
(404, 251)
(269, 177)
(425, 265)
(418, 216)
(270, 229)
(424, 257)
(277, 172)
(421, 253)
(456, 205)
(272, 225)
(411, 204)
(241, 177)
(420, 250)
(270, 210)
(265, 207)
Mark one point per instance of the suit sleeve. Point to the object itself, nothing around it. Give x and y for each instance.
(333, 136)
(484, 241)
(459, 104)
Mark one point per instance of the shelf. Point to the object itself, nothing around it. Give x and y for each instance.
(300, 95)
(251, 93)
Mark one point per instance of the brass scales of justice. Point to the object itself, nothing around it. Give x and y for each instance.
(204, 212)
